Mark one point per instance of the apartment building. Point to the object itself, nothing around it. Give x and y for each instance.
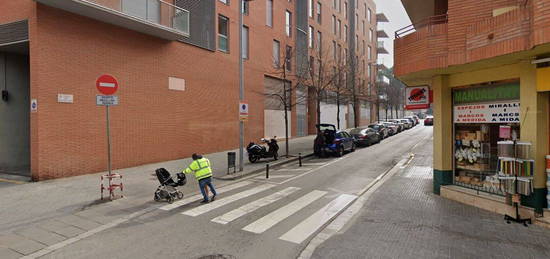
(487, 64)
(176, 63)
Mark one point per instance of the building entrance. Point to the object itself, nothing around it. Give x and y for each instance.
(15, 110)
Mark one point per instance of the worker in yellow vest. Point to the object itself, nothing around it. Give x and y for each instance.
(203, 173)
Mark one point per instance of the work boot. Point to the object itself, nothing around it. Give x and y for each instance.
(213, 197)
(204, 201)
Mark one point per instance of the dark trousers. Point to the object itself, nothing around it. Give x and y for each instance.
(202, 185)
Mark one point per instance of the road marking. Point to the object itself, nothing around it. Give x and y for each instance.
(293, 169)
(312, 170)
(275, 176)
(221, 202)
(239, 212)
(199, 196)
(307, 227)
(271, 219)
(12, 181)
(312, 164)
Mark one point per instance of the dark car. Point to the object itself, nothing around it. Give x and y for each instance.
(365, 136)
(382, 130)
(429, 120)
(329, 140)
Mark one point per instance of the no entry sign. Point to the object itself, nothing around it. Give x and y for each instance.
(106, 84)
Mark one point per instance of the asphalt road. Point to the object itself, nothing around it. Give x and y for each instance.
(254, 217)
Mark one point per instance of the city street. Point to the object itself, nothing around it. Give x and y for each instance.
(272, 217)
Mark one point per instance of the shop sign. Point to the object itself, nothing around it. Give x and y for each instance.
(417, 98)
(487, 94)
(499, 112)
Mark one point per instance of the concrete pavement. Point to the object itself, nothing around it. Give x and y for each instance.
(35, 215)
(272, 218)
(404, 219)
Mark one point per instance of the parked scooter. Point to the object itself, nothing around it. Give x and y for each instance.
(256, 151)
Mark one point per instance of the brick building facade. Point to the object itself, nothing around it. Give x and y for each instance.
(474, 53)
(61, 47)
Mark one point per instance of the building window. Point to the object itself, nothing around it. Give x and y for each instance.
(364, 67)
(334, 51)
(364, 28)
(288, 23)
(345, 33)
(364, 47)
(339, 6)
(245, 7)
(223, 33)
(319, 18)
(369, 71)
(346, 10)
(319, 40)
(370, 16)
(370, 53)
(225, 2)
(356, 42)
(339, 28)
(356, 22)
(334, 24)
(288, 58)
(334, 4)
(339, 52)
(311, 36)
(345, 55)
(276, 53)
(310, 8)
(269, 13)
(245, 42)
(371, 35)
(365, 8)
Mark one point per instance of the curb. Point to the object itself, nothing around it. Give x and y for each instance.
(237, 176)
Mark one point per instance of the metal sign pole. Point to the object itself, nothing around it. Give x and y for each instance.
(109, 150)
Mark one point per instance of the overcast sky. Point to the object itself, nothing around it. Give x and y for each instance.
(393, 9)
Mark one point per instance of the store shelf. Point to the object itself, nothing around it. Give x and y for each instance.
(505, 158)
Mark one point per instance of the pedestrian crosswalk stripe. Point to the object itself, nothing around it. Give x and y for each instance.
(199, 196)
(292, 169)
(268, 221)
(275, 176)
(312, 164)
(307, 227)
(239, 212)
(224, 201)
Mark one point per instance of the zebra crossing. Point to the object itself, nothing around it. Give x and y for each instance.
(265, 196)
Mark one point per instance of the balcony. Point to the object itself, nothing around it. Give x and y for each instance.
(153, 17)
(380, 49)
(421, 46)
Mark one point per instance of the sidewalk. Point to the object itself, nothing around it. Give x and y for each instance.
(404, 219)
(34, 215)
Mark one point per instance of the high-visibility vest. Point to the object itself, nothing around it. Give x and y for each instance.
(201, 167)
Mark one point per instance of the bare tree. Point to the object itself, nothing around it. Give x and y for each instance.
(319, 77)
(282, 70)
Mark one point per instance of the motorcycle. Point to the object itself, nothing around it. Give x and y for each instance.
(256, 151)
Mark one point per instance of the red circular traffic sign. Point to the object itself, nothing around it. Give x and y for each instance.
(106, 84)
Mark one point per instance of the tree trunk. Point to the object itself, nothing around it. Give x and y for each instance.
(338, 108)
(318, 108)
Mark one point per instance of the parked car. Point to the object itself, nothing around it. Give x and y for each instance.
(408, 123)
(429, 120)
(412, 119)
(393, 128)
(365, 136)
(417, 119)
(382, 130)
(331, 141)
(399, 123)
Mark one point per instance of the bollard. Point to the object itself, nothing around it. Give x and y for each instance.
(300, 159)
(266, 171)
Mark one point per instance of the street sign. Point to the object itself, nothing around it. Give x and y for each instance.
(34, 105)
(417, 98)
(106, 84)
(243, 108)
(243, 111)
(106, 100)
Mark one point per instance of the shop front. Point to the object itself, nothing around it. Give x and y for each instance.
(483, 116)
